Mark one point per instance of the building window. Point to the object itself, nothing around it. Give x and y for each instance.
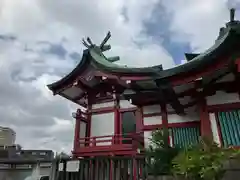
(128, 123)
(42, 153)
(183, 137)
(229, 125)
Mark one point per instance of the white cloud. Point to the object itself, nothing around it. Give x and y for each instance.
(27, 105)
(197, 22)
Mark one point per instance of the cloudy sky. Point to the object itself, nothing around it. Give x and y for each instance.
(40, 43)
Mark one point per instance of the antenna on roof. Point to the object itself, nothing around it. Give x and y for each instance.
(232, 14)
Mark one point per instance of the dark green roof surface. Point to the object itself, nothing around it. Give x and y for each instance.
(190, 56)
(225, 46)
(101, 62)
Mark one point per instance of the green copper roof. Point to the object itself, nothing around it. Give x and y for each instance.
(101, 62)
(227, 45)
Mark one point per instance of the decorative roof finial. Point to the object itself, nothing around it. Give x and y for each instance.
(104, 47)
(232, 14)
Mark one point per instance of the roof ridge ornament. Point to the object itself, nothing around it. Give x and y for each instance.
(232, 14)
(105, 40)
(102, 47)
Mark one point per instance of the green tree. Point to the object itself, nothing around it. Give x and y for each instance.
(160, 154)
(61, 155)
(204, 161)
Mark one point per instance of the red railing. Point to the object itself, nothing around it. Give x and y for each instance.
(106, 140)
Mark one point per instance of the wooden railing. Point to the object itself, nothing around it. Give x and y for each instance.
(107, 140)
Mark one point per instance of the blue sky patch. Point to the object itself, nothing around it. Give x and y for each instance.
(159, 29)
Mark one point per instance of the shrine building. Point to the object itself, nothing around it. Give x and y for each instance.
(120, 106)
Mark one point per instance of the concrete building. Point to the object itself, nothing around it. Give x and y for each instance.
(7, 136)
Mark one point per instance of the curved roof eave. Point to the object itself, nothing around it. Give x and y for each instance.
(72, 75)
(101, 63)
(222, 46)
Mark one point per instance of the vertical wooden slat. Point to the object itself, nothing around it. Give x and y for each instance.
(131, 169)
(91, 169)
(176, 139)
(108, 171)
(145, 172)
(126, 165)
(111, 174)
(135, 171)
(183, 137)
(229, 128)
(81, 169)
(87, 169)
(236, 124)
(231, 121)
(223, 135)
(193, 135)
(95, 170)
(64, 175)
(137, 168)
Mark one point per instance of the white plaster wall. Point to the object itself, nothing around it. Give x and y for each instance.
(191, 115)
(152, 120)
(102, 125)
(103, 105)
(126, 104)
(151, 109)
(222, 98)
(214, 128)
(171, 140)
(83, 129)
(147, 137)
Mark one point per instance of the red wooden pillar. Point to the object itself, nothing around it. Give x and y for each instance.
(237, 62)
(135, 170)
(117, 127)
(206, 130)
(77, 130)
(164, 118)
(139, 126)
(89, 124)
(164, 115)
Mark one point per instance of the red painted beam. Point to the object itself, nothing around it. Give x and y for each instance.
(171, 125)
(192, 76)
(102, 110)
(237, 62)
(223, 107)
